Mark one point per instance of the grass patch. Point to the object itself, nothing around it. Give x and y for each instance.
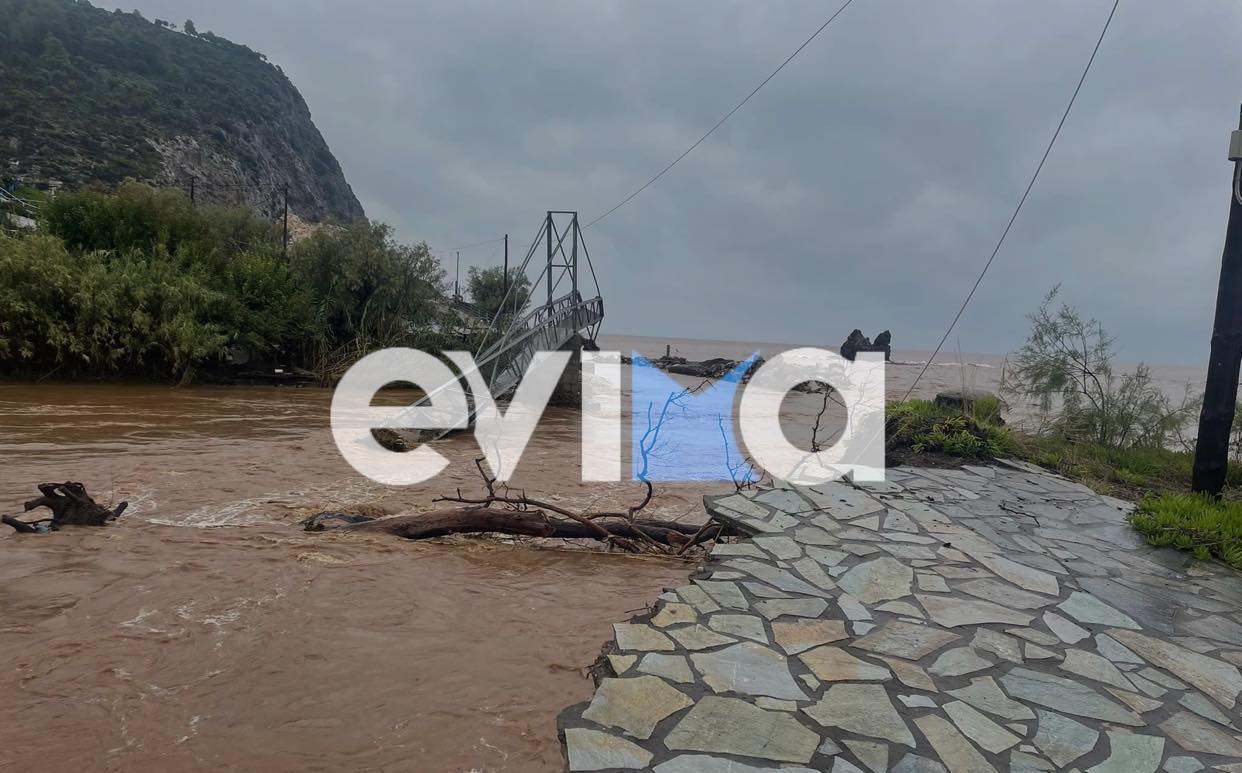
(922, 427)
(1128, 473)
(1202, 525)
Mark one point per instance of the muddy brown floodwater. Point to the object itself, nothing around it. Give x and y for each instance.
(152, 645)
(205, 630)
(147, 647)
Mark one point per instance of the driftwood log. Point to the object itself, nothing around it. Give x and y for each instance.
(70, 506)
(528, 523)
(501, 510)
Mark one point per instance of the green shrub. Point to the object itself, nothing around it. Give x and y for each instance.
(489, 289)
(987, 409)
(135, 217)
(144, 315)
(140, 283)
(368, 292)
(923, 427)
(37, 279)
(94, 313)
(1207, 527)
(1066, 369)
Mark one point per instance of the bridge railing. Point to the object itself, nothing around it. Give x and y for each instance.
(546, 328)
(541, 316)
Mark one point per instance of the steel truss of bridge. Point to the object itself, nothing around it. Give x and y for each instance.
(514, 336)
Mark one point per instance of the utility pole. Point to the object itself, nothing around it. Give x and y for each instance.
(457, 278)
(504, 283)
(284, 241)
(1220, 395)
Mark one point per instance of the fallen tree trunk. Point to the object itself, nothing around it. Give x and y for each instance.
(529, 523)
(70, 506)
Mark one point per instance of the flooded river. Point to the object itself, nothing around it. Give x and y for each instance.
(151, 645)
(205, 630)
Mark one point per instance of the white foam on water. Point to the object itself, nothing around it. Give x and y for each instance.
(257, 510)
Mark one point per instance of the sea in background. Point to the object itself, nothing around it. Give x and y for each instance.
(950, 370)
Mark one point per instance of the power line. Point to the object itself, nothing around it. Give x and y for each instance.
(1021, 201)
(697, 142)
(726, 117)
(472, 246)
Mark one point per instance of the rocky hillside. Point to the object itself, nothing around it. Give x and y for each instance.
(92, 96)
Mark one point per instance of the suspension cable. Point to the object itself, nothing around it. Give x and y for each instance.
(724, 118)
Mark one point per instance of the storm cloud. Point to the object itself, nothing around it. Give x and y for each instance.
(864, 187)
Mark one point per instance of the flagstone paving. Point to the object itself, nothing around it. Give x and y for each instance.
(982, 619)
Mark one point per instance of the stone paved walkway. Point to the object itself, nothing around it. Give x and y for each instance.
(982, 619)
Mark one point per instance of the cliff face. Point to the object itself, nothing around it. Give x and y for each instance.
(91, 96)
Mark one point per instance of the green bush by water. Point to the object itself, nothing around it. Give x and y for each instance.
(139, 283)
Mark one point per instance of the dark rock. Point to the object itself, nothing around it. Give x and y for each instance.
(854, 343)
(242, 366)
(857, 342)
(961, 399)
(883, 343)
(395, 439)
(715, 368)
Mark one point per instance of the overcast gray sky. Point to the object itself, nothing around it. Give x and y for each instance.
(863, 187)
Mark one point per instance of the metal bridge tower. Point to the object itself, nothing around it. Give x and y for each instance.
(518, 330)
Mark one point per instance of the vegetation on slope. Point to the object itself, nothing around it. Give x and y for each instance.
(87, 93)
